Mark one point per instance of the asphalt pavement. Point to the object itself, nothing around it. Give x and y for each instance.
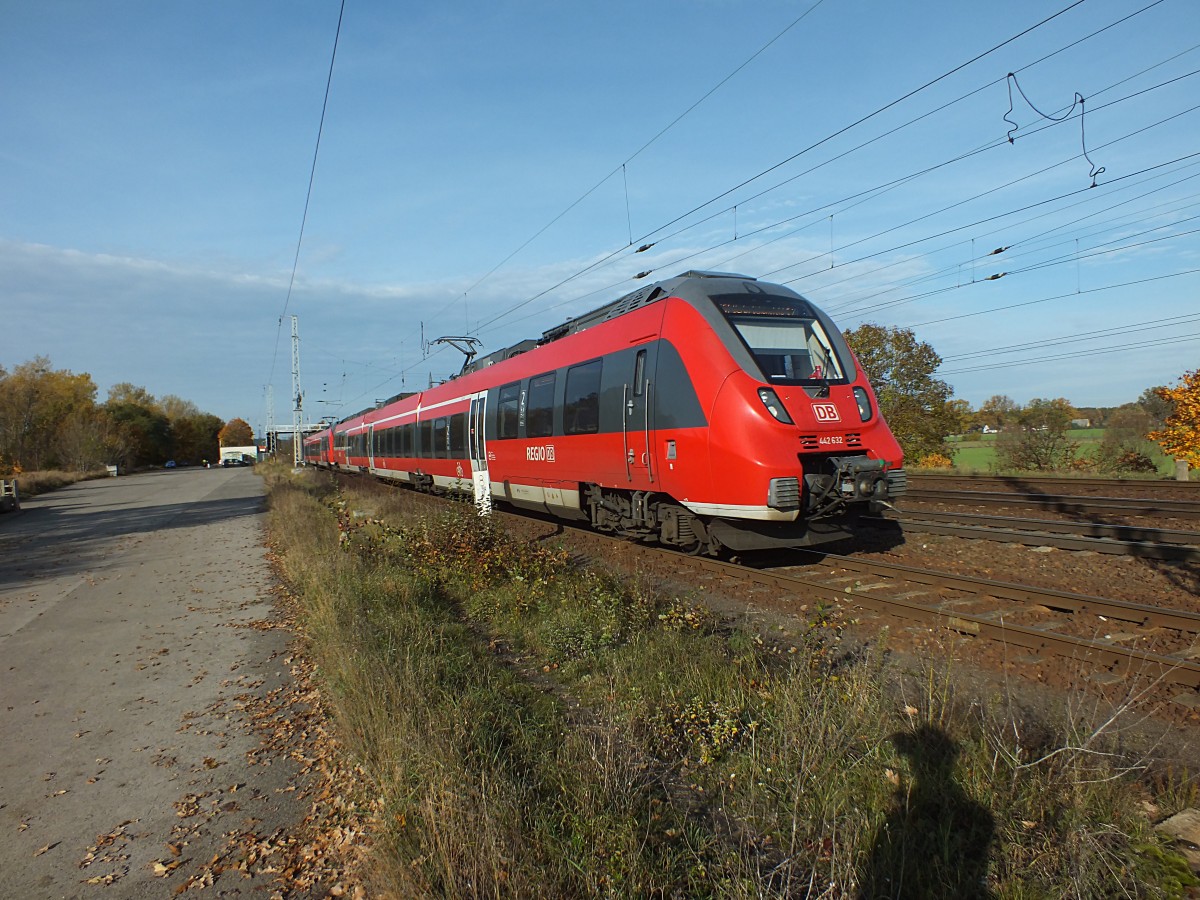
(135, 621)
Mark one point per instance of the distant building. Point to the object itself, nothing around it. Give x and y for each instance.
(1081, 423)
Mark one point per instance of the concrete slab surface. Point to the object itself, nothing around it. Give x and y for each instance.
(131, 632)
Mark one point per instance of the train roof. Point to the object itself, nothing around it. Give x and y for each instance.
(691, 285)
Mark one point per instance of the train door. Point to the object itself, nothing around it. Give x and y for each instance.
(481, 481)
(370, 434)
(638, 424)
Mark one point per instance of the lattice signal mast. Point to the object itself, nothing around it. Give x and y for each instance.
(297, 396)
(271, 419)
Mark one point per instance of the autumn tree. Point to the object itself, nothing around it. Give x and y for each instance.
(193, 434)
(37, 404)
(1039, 439)
(915, 404)
(1156, 406)
(144, 432)
(997, 411)
(959, 415)
(1180, 435)
(195, 437)
(236, 433)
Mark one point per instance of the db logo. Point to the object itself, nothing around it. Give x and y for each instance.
(826, 412)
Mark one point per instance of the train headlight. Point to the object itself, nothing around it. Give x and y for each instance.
(864, 403)
(771, 401)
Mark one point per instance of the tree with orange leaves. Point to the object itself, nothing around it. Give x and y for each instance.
(1180, 435)
(236, 433)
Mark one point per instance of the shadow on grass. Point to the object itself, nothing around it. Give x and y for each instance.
(934, 842)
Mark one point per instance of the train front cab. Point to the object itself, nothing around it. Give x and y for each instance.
(796, 445)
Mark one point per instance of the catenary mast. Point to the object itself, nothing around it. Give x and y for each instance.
(297, 396)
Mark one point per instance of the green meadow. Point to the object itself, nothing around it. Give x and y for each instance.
(976, 453)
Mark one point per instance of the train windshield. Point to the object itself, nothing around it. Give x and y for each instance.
(788, 341)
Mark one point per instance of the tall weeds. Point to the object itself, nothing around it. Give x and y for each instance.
(539, 729)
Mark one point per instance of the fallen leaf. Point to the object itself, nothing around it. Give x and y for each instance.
(42, 850)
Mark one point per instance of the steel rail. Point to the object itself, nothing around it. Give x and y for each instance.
(1077, 505)
(1142, 614)
(919, 522)
(1148, 486)
(1117, 659)
(1086, 529)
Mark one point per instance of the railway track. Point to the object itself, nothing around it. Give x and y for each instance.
(941, 599)
(1124, 540)
(1139, 487)
(1062, 503)
(938, 599)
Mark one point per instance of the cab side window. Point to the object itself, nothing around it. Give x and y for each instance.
(539, 410)
(581, 405)
(508, 405)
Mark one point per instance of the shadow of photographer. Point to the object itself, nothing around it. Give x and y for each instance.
(934, 842)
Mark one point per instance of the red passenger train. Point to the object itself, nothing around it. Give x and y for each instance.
(705, 411)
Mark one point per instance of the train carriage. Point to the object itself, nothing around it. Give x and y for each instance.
(709, 410)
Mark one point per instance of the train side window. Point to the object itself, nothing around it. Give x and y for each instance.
(426, 429)
(639, 374)
(439, 438)
(581, 404)
(458, 436)
(539, 409)
(509, 401)
(406, 440)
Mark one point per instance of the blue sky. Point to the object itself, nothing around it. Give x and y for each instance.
(490, 169)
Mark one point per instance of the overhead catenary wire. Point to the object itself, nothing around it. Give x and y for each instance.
(1095, 351)
(1110, 184)
(607, 259)
(1079, 337)
(861, 195)
(622, 166)
(851, 309)
(851, 305)
(312, 175)
(651, 234)
(1077, 293)
(981, 194)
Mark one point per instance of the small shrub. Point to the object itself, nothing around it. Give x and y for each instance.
(935, 461)
(704, 729)
(1134, 461)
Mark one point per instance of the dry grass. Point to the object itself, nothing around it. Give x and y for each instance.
(535, 729)
(30, 484)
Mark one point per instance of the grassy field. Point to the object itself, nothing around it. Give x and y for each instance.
(31, 484)
(976, 453)
(538, 728)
